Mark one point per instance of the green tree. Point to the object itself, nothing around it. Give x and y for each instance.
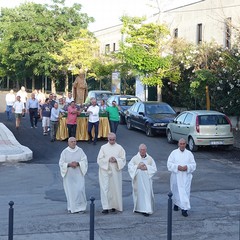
(101, 73)
(78, 53)
(228, 82)
(32, 34)
(207, 65)
(144, 51)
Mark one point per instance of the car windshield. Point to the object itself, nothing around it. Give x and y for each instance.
(104, 96)
(212, 120)
(159, 109)
(127, 101)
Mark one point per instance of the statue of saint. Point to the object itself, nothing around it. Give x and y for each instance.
(80, 89)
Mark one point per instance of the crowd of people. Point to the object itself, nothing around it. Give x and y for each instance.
(111, 160)
(51, 108)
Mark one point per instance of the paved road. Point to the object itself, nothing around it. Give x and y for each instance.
(36, 188)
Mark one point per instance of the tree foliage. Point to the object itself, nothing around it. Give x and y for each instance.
(209, 65)
(144, 51)
(32, 34)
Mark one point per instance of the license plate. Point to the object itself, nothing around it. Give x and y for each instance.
(216, 142)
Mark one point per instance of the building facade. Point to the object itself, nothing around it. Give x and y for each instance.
(205, 21)
(109, 39)
(196, 22)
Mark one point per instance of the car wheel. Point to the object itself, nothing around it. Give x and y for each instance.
(169, 137)
(191, 145)
(129, 125)
(149, 130)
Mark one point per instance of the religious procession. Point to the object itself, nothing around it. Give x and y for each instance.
(141, 168)
(73, 119)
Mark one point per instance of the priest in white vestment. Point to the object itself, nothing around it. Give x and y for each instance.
(111, 160)
(73, 167)
(142, 168)
(181, 164)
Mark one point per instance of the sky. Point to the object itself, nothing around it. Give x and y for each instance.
(108, 12)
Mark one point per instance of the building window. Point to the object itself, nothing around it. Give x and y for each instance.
(228, 33)
(114, 47)
(107, 48)
(175, 32)
(199, 33)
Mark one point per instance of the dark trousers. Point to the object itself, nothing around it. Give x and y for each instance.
(90, 126)
(113, 126)
(54, 128)
(72, 130)
(33, 113)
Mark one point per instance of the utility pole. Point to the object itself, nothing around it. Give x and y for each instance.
(207, 99)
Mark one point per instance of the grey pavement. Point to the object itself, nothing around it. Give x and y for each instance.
(40, 213)
(40, 208)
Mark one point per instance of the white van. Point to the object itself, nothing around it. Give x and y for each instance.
(99, 95)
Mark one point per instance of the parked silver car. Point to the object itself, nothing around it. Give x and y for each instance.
(201, 128)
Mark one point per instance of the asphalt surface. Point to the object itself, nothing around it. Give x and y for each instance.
(40, 204)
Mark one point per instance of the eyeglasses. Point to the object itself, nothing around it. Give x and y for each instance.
(111, 139)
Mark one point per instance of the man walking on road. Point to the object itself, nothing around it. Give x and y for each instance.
(33, 109)
(23, 95)
(114, 117)
(10, 99)
(181, 164)
(73, 113)
(73, 166)
(111, 160)
(54, 121)
(19, 109)
(45, 113)
(142, 168)
(93, 120)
